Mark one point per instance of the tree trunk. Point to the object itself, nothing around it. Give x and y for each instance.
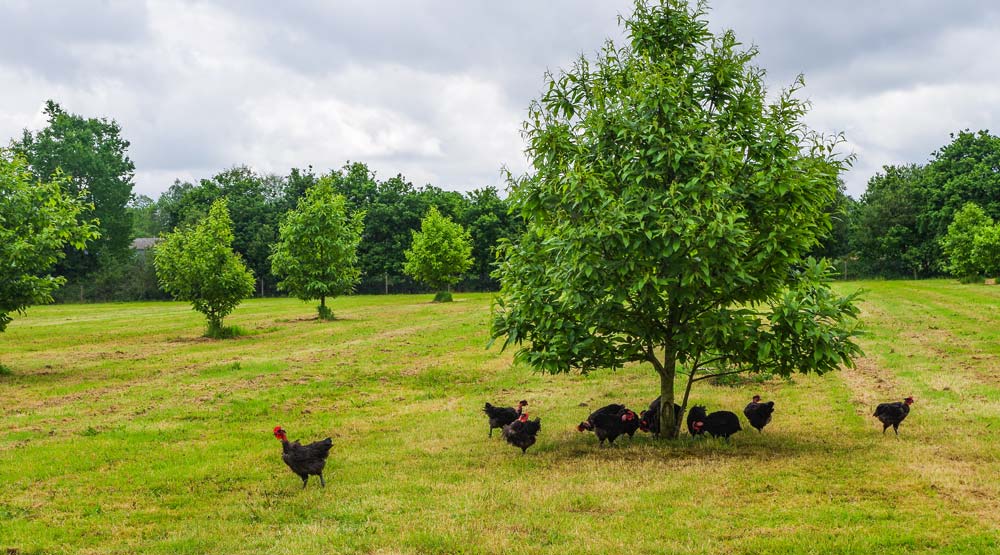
(668, 426)
(687, 395)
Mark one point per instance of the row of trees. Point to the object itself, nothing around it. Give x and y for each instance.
(897, 228)
(393, 208)
(315, 256)
(894, 230)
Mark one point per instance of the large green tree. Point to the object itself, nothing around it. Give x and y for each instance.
(316, 254)
(197, 264)
(441, 252)
(669, 211)
(37, 220)
(92, 154)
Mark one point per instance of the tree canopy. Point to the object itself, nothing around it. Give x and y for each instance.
(92, 155)
(669, 211)
(37, 220)
(316, 254)
(197, 264)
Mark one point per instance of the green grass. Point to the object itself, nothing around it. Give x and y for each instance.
(125, 431)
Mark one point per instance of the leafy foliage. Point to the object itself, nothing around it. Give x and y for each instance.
(316, 253)
(255, 203)
(901, 222)
(441, 251)
(197, 264)
(669, 215)
(488, 220)
(986, 250)
(37, 220)
(91, 153)
(958, 244)
(888, 235)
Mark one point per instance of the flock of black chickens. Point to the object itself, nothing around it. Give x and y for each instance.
(614, 420)
(608, 423)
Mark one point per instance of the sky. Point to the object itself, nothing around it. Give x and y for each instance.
(437, 89)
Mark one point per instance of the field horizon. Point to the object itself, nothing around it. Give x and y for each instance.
(126, 431)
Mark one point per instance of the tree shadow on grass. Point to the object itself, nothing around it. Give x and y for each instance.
(645, 448)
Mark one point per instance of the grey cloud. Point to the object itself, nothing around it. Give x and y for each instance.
(54, 38)
(437, 89)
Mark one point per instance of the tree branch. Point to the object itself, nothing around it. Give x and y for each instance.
(707, 376)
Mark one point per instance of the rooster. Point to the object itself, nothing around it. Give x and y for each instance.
(304, 459)
(891, 414)
(759, 414)
(609, 422)
(649, 420)
(501, 416)
(720, 423)
(522, 432)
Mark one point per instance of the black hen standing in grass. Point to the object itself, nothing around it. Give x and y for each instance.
(522, 432)
(891, 414)
(609, 422)
(649, 420)
(759, 414)
(721, 423)
(501, 416)
(304, 460)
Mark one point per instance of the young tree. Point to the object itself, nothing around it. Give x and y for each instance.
(93, 156)
(668, 216)
(197, 264)
(958, 244)
(986, 250)
(440, 253)
(316, 255)
(37, 220)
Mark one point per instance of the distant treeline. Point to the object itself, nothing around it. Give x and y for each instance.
(894, 230)
(393, 209)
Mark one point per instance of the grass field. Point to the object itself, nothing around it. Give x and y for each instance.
(124, 431)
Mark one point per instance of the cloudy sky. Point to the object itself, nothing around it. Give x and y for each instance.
(437, 89)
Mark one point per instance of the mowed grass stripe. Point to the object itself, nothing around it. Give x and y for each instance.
(166, 448)
(929, 339)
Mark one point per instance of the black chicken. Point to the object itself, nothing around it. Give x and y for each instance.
(759, 414)
(609, 422)
(649, 420)
(522, 432)
(720, 423)
(891, 414)
(501, 416)
(304, 459)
